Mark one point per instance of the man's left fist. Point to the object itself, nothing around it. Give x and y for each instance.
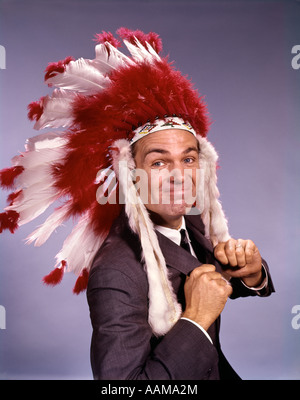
(241, 259)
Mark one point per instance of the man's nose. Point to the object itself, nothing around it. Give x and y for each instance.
(177, 175)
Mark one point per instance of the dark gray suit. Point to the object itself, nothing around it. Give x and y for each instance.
(123, 346)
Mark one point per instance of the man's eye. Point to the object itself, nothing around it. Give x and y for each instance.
(189, 160)
(157, 164)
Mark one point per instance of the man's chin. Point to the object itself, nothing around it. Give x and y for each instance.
(179, 209)
(176, 210)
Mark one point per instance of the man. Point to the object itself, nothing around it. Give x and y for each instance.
(136, 172)
(123, 346)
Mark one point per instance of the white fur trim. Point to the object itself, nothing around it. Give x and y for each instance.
(213, 217)
(164, 309)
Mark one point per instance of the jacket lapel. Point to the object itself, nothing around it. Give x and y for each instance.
(195, 224)
(180, 259)
(175, 256)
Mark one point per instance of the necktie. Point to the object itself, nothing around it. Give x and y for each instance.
(184, 243)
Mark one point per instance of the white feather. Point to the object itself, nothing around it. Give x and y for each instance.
(32, 176)
(33, 201)
(36, 181)
(80, 247)
(43, 232)
(81, 76)
(35, 159)
(152, 52)
(110, 57)
(138, 52)
(47, 140)
(57, 110)
(141, 53)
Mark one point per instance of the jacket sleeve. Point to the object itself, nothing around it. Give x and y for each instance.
(122, 343)
(241, 290)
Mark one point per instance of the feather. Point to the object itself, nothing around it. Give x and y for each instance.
(111, 57)
(34, 201)
(80, 246)
(35, 109)
(9, 220)
(8, 176)
(57, 67)
(57, 110)
(44, 157)
(107, 37)
(32, 176)
(55, 276)
(81, 282)
(152, 52)
(42, 234)
(45, 140)
(132, 36)
(138, 52)
(81, 76)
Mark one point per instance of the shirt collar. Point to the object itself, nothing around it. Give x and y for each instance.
(170, 233)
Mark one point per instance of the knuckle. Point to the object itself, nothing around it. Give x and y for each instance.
(230, 243)
(219, 252)
(196, 272)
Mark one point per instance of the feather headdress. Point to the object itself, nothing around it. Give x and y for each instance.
(101, 103)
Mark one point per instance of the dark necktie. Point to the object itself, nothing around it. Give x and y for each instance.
(184, 243)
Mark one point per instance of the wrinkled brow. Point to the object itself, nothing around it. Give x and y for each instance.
(163, 151)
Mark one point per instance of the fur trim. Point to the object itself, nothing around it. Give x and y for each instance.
(213, 217)
(164, 310)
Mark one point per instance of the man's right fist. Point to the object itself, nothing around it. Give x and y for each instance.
(206, 293)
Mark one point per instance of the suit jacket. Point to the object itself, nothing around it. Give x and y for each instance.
(123, 346)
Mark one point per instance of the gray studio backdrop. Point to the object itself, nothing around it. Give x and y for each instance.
(239, 55)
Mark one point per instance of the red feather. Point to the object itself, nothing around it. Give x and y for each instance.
(8, 175)
(81, 282)
(57, 67)
(55, 276)
(9, 220)
(35, 109)
(13, 196)
(152, 38)
(107, 37)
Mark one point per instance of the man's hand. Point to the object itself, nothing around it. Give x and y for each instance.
(206, 293)
(242, 259)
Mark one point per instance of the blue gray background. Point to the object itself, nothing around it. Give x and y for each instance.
(238, 53)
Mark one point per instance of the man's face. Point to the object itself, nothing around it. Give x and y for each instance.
(170, 159)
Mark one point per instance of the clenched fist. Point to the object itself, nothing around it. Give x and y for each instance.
(242, 260)
(206, 293)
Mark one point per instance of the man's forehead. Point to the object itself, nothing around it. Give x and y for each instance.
(166, 141)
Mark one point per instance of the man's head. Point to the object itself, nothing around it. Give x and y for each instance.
(171, 161)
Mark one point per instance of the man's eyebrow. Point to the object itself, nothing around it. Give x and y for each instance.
(162, 151)
(189, 149)
(156, 150)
